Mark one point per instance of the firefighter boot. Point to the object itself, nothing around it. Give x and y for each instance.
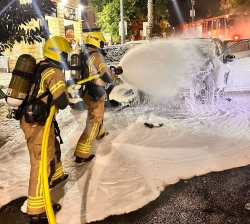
(79, 161)
(59, 181)
(40, 218)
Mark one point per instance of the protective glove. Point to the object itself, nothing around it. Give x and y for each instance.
(119, 70)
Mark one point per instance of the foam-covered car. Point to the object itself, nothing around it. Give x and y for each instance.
(227, 70)
(237, 59)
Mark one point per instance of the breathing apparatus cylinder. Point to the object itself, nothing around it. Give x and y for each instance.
(75, 67)
(75, 70)
(75, 91)
(20, 81)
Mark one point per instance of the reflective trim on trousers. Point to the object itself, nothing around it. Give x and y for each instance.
(39, 186)
(85, 147)
(35, 202)
(58, 173)
(101, 131)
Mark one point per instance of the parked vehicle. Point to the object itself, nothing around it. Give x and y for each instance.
(226, 73)
(203, 84)
(236, 58)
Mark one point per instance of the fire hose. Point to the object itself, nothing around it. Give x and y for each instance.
(82, 81)
(90, 78)
(44, 154)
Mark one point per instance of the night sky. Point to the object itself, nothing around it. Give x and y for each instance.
(201, 7)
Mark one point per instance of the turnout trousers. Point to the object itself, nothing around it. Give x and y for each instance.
(33, 135)
(94, 125)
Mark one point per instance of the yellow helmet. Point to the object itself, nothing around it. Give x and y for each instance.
(96, 39)
(57, 49)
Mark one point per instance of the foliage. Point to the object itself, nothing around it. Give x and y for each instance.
(98, 5)
(109, 19)
(135, 27)
(14, 16)
(160, 8)
(165, 26)
(227, 6)
(135, 13)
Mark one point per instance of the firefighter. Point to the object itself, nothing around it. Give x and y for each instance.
(56, 50)
(94, 96)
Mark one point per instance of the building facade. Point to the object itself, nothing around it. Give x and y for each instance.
(66, 22)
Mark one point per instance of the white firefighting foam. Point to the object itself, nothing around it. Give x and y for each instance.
(161, 68)
(131, 164)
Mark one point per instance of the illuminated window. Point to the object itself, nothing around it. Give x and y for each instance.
(25, 1)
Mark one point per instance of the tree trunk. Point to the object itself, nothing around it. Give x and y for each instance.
(150, 19)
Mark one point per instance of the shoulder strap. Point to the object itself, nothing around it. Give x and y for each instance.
(88, 54)
(84, 66)
(37, 78)
(37, 69)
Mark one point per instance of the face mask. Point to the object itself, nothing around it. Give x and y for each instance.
(64, 61)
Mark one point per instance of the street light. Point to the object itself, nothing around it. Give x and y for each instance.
(193, 11)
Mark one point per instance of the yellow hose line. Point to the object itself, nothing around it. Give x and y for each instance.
(83, 81)
(44, 164)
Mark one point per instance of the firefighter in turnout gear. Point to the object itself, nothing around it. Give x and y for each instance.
(52, 85)
(94, 96)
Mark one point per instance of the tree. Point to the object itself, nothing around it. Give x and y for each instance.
(109, 19)
(14, 16)
(98, 5)
(227, 6)
(135, 13)
(150, 19)
(241, 5)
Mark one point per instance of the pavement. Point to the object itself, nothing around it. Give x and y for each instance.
(7, 126)
(4, 80)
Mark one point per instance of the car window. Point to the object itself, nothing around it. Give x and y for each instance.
(229, 44)
(239, 50)
(240, 47)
